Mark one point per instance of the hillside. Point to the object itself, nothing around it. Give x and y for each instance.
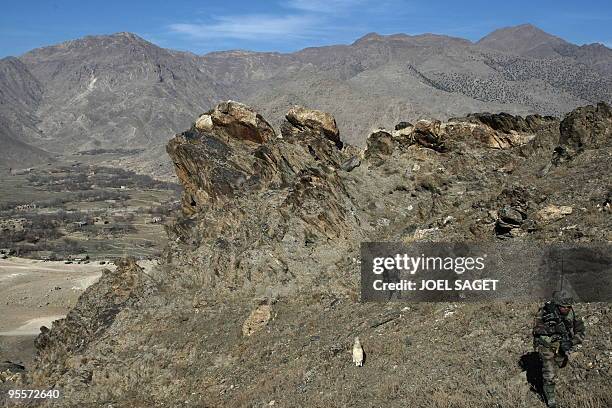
(256, 301)
(20, 94)
(115, 91)
(120, 91)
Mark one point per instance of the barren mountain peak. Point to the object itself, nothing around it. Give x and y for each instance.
(8, 59)
(99, 39)
(126, 34)
(419, 39)
(369, 37)
(525, 39)
(120, 36)
(521, 29)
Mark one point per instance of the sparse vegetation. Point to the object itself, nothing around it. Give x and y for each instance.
(83, 208)
(126, 152)
(79, 178)
(11, 207)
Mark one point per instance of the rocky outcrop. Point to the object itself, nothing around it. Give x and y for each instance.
(232, 150)
(315, 121)
(506, 123)
(380, 145)
(207, 168)
(218, 155)
(504, 131)
(257, 320)
(314, 131)
(236, 121)
(228, 181)
(428, 133)
(588, 127)
(493, 131)
(98, 307)
(553, 212)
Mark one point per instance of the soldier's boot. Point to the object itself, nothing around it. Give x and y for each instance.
(549, 394)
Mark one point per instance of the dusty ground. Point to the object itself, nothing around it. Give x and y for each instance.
(34, 293)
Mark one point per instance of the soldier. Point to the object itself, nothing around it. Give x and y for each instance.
(556, 331)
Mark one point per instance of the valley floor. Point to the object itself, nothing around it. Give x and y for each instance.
(34, 294)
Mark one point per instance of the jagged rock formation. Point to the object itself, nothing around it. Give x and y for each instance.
(278, 220)
(291, 179)
(235, 120)
(585, 128)
(313, 120)
(212, 166)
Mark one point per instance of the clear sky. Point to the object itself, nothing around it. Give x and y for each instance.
(276, 25)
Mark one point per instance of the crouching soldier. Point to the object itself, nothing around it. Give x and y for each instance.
(556, 331)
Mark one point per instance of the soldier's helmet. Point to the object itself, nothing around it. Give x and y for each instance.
(562, 299)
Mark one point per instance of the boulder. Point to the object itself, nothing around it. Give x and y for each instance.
(257, 320)
(237, 121)
(379, 146)
(553, 213)
(204, 123)
(509, 218)
(428, 126)
(427, 133)
(511, 215)
(351, 164)
(316, 121)
(403, 125)
(586, 127)
(403, 131)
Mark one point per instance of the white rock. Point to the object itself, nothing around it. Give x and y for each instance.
(204, 123)
(357, 353)
(553, 213)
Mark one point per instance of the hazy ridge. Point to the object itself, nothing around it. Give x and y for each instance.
(122, 91)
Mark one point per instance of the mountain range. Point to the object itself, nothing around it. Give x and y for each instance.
(120, 91)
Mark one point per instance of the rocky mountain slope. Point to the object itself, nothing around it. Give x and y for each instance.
(116, 91)
(20, 94)
(257, 300)
(528, 40)
(524, 39)
(122, 91)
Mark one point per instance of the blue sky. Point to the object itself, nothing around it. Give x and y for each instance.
(204, 26)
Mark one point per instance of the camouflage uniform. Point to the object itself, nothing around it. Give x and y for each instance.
(556, 330)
